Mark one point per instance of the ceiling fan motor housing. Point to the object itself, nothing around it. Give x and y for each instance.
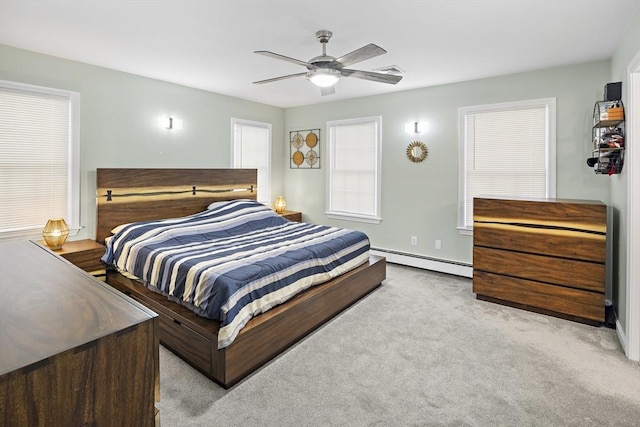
(323, 36)
(319, 61)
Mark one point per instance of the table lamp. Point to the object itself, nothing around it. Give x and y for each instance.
(55, 233)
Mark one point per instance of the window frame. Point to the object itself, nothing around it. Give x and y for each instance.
(235, 151)
(550, 151)
(73, 151)
(376, 218)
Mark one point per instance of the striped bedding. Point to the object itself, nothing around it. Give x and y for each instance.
(233, 261)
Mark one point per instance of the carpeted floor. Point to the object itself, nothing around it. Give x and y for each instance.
(422, 351)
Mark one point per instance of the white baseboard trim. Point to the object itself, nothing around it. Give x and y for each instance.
(622, 337)
(426, 263)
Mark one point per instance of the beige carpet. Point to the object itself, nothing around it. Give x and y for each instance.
(422, 351)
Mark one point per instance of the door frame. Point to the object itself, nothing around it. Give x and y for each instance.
(632, 155)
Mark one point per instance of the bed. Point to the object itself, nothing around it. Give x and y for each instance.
(127, 196)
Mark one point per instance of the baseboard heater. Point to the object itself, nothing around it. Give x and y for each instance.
(456, 268)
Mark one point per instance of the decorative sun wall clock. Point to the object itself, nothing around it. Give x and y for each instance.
(305, 149)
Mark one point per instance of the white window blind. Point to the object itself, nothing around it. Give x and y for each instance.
(354, 169)
(38, 164)
(252, 150)
(508, 150)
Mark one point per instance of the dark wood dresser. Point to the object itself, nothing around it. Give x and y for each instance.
(544, 255)
(73, 351)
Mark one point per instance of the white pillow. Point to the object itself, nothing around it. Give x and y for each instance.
(117, 229)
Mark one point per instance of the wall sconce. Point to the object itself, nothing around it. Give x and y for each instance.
(280, 205)
(170, 123)
(415, 127)
(55, 233)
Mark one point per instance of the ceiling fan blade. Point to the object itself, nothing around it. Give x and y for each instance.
(370, 75)
(324, 91)
(365, 52)
(275, 79)
(285, 58)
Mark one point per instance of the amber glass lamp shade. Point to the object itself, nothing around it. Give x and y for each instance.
(280, 204)
(55, 233)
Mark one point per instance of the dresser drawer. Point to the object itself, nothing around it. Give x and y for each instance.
(550, 298)
(574, 244)
(559, 271)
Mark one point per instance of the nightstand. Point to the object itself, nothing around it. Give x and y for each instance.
(84, 254)
(292, 216)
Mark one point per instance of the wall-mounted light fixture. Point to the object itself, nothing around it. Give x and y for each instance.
(170, 123)
(415, 127)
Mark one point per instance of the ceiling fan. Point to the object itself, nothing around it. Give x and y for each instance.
(325, 71)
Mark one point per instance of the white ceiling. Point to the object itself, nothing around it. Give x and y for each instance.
(209, 44)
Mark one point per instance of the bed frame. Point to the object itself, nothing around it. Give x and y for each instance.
(128, 195)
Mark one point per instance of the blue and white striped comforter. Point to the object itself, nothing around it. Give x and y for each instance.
(233, 261)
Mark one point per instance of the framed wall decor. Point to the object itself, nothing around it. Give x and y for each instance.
(305, 149)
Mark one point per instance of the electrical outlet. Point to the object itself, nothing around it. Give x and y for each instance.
(438, 244)
(414, 240)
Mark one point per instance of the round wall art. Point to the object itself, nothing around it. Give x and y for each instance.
(417, 151)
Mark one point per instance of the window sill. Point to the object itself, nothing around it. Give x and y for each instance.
(356, 218)
(465, 231)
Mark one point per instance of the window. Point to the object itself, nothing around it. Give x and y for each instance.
(39, 158)
(505, 150)
(353, 181)
(252, 150)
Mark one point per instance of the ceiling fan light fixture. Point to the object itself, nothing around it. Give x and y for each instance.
(324, 77)
(324, 71)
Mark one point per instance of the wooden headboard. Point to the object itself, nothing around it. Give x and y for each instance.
(129, 195)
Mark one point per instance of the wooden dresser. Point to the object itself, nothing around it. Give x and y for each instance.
(73, 351)
(545, 255)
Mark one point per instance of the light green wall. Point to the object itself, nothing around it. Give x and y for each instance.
(421, 199)
(119, 113)
(628, 48)
(119, 120)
